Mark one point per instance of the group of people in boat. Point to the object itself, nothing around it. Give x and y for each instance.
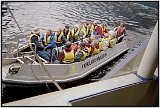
(83, 41)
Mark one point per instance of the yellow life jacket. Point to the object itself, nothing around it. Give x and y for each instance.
(84, 55)
(100, 45)
(93, 28)
(68, 57)
(85, 30)
(75, 35)
(68, 36)
(105, 41)
(31, 38)
(89, 51)
(47, 40)
(103, 29)
(58, 39)
(96, 51)
(112, 43)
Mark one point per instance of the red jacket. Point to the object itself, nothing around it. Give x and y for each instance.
(120, 30)
(99, 29)
(92, 48)
(61, 56)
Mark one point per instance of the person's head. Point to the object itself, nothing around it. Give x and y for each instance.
(81, 26)
(112, 34)
(58, 31)
(86, 41)
(85, 24)
(121, 24)
(106, 35)
(48, 32)
(95, 22)
(68, 44)
(66, 27)
(103, 24)
(36, 31)
(76, 27)
(81, 45)
(89, 25)
(92, 38)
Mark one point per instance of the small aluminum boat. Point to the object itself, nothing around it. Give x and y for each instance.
(25, 70)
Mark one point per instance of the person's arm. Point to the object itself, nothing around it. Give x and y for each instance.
(41, 38)
(61, 56)
(64, 39)
(52, 44)
(80, 36)
(71, 38)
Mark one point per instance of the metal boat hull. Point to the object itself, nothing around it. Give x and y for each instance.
(33, 74)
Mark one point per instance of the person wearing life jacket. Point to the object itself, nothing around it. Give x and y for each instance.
(85, 30)
(120, 32)
(48, 41)
(95, 47)
(87, 41)
(81, 53)
(93, 29)
(67, 55)
(89, 30)
(35, 38)
(74, 46)
(59, 38)
(113, 39)
(105, 41)
(100, 43)
(102, 29)
(67, 33)
(76, 35)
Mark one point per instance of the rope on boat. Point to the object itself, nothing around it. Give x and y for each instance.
(17, 26)
(46, 70)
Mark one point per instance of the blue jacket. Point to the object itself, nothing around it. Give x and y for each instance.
(52, 43)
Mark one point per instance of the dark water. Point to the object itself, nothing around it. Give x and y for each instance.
(139, 17)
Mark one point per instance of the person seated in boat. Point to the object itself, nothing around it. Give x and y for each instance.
(81, 53)
(89, 30)
(76, 35)
(87, 43)
(93, 29)
(75, 46)
(80, 28)
(113, 39)
(105, 41)
(48, 41)
(59, 38)
(85, 30)
(67, 55)
(102, 29)
(100, 43)
(120, 32)
(95, 47)
(35, 38)
(67, 33)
